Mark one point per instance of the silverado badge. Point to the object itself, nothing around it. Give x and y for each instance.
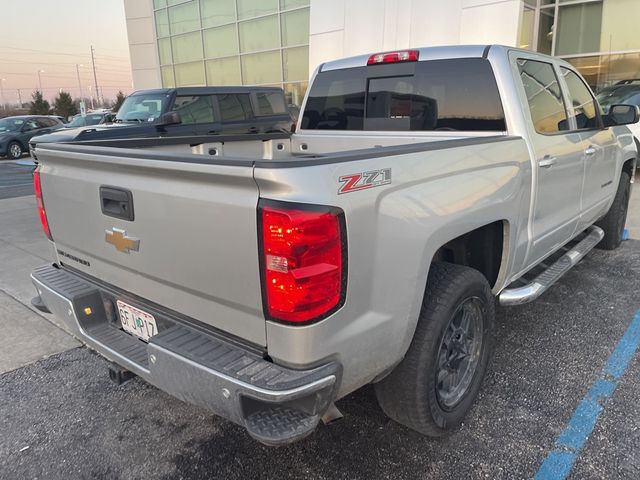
(119, 239)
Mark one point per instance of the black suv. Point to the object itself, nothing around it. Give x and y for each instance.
(15, 133)
(189, 112)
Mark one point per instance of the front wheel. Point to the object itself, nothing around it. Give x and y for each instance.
(14, 150)
(613, 222)
(434, 386)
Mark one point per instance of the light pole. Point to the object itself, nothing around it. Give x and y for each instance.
(91, 97)
(40, 79)
(79, 82)
(4, 105)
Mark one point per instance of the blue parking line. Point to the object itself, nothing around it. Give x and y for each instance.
(560, 461)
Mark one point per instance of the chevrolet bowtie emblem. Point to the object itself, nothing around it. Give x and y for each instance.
(119, 239)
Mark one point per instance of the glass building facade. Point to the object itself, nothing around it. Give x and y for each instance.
(234, 42)
(599, 37)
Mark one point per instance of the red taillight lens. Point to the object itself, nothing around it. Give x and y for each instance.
(394, 57)
(37, 186)
(303, 260)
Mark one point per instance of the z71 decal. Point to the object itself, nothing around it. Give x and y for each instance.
(364, 180)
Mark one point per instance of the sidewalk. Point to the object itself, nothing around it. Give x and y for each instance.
(27, 336)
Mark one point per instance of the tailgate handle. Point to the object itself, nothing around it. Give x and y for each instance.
(116, 202)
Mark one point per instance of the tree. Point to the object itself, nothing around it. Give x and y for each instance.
(39, 106)
(119, 100)
(64, 105)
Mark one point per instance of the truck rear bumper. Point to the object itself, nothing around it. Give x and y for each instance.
(276, 405)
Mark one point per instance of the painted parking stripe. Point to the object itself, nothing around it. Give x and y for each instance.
(559, 462)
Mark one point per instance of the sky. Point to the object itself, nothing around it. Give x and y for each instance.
(55, 35)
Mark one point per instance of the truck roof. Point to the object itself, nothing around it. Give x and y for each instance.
(431, 53)
(211, 90)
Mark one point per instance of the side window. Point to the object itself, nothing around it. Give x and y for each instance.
(270, 103)
(31, 125)
(194, 109)
(585, 108)
(546, 105)
(44, 123)
(235, 107)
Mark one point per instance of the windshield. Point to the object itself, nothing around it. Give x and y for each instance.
(618, 95)
(11, 124)
(80, 121)
(143, 108)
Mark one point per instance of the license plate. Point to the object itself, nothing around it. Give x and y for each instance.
(135, 321)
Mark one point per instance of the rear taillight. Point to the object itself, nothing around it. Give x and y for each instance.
(394, 57)
(303, 255)
(37, 186)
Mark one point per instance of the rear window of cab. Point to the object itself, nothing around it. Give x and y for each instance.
(433, 95)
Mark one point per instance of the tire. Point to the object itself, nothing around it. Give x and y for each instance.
(409, 394)
(613, 222)
(12, 150)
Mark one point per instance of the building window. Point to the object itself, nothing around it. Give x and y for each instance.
(579, 28)
(259, 34)
(217, 12)
(234, 42)
(221, 41)
(190, 74)
(184, 18)
(262, 68)
(187, 48)
(527, 24)
(546, 27)
(224, 71)
(599, 37)
(256, 8)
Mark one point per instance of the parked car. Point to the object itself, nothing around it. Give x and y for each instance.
(371, 246)
(625, 91)
(15, 132)
(93, 118)
(189, 111)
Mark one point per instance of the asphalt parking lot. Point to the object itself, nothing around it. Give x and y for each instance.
(61, 417)
(15, 179)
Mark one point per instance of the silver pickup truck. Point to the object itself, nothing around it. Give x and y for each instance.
(266, 279)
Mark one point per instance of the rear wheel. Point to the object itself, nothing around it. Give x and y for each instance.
(613, 222)
(436, 383)
(14, 150)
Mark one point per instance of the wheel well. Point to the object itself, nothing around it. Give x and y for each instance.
(628, 165)
(15, 140)
(480, 249)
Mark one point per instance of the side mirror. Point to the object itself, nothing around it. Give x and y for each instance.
(169, 118)
(622, 115)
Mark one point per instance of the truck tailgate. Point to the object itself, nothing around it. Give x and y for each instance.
(195, 222)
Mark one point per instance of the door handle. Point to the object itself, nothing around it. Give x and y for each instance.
(213, 132)
(547, 162)
(254, 129)
(590, 151)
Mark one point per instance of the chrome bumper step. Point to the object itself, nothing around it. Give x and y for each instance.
(532, 290)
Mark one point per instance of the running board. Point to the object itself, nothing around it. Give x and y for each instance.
(531, 291)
